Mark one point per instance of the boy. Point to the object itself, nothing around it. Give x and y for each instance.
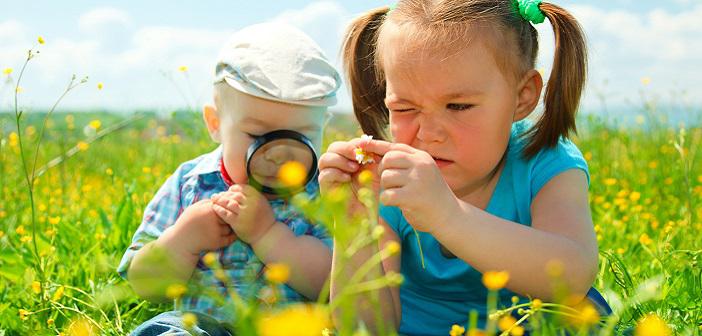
(268, 77)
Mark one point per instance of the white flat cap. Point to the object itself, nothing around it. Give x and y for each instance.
(278, 62)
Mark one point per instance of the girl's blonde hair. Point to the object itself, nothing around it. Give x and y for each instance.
(445, 25)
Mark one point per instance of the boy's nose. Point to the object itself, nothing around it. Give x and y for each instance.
(278, 155)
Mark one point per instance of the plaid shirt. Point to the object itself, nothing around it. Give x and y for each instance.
(196, 180)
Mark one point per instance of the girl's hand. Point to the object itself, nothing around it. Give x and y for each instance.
(338, 167)
(411, 181)
(246, 211)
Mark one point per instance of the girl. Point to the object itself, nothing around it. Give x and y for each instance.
(486, 189)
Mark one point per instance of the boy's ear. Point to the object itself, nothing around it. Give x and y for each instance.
(528, 94)
(209, 114)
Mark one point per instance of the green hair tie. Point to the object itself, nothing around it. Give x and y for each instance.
(529, 10)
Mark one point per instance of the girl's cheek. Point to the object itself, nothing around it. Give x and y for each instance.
(403, 127)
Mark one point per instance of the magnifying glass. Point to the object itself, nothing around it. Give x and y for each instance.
(270, 151)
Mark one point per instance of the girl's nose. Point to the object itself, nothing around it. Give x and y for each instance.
(430, 130)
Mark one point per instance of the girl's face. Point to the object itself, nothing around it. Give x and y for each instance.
(458, 107)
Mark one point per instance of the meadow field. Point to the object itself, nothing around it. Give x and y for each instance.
(74, 186)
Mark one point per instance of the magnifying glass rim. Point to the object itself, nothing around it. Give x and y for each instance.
(261, 140)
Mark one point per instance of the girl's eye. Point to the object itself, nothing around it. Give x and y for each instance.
(459, 107)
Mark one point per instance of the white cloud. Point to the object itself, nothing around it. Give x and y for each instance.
(99, 18)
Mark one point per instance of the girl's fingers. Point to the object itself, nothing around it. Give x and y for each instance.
(393, 178)
(336, 160)
(390, 197)
(395, 160)
(381, 147)
(331, 176)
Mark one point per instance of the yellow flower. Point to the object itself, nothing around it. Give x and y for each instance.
(95, 124)
(277, 273)
(536, 304)
(653, 164)
(620, 250)
(7, 71)
(80, 327)
(50, 322)
(297, 319)
(20, 230)
(209, 259)
(393, 247)
(365, 177)
(645, 80)
(506, 322)
(58, 294)
(652, 325)
(457, 330)
(19, 89)
(54, 220)
(175, 291)
(362, 157)
(668, 180)
(644, 239)
(635, 196)
(26, 239)
(182, 68)
(23, 313)
(610, 181)
(82, 145)
(100, 85)
(109, 172)
(2, 234)
(587, 314)
(495, 280)
(189, 320)
(292, 174)
(517, 331)
(36, 287)
(40, 40)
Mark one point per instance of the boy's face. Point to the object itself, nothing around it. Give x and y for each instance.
(237, 118)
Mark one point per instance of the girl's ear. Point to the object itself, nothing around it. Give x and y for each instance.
(209, 114)
(528, 94)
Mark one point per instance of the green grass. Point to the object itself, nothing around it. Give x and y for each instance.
(646, 197)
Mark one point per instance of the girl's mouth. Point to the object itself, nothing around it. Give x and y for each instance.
(442, 163)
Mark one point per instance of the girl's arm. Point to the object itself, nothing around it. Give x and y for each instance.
(308, 257)
(389, 296)
(561, 231)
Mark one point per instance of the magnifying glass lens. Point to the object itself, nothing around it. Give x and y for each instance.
(281, 164)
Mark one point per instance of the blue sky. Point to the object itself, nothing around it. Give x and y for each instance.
(136, 47)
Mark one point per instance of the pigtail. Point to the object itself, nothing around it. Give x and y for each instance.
(366, 83)
(565, 84)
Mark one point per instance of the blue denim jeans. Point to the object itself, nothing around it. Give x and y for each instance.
(171, 323)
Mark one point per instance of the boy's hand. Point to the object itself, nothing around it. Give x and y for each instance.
(246, 210)
(199, 229)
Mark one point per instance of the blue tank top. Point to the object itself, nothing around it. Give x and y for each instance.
(442, 294)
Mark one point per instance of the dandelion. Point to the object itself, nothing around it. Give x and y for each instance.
(298, 319)
(175, 291)
(23, 314)
(506, 322)
(183, 68)
(365, 177)
(7, 71)
(40, 40)
(277, 273)
(393, 247)
(82, 145)
(58, 294)
(645, 240)
(652, 325)
(587, 315)
(635, 196)
(95, 124)
(495, 280)
(100, 85)
(610, 181)
(54, 220)
(36, 287)
(20, 230)
(209, 259)
(457, 330)
(292, 174)
(189, 320)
